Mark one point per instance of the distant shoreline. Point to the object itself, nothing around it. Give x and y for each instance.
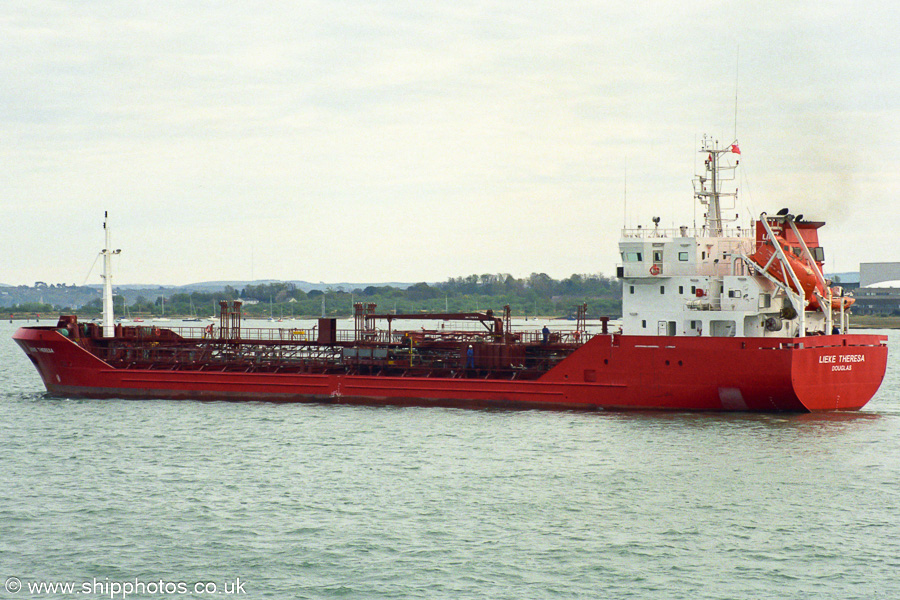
(856, 322)
(48, 318)
(874, 322)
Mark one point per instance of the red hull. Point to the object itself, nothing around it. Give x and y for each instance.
(835, 372)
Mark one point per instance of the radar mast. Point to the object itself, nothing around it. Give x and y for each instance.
(708, 186)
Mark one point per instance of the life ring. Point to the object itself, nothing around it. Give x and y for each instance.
(654, 270)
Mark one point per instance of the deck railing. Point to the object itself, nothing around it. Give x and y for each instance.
(301, 335)
(675, 232)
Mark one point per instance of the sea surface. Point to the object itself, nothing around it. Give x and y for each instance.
(151, 499)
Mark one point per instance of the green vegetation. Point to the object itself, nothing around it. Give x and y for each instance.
(32, 308)
(538, 294)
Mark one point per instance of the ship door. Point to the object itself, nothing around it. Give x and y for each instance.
(665, 328)
(657, 267)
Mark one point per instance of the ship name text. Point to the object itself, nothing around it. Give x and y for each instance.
(842, 362)
(42, 349)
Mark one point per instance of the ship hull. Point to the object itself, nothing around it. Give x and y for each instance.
(819, 373)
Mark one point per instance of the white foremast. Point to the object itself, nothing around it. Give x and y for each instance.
(108, 309)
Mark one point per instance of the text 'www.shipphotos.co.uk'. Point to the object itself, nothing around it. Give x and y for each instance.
(107, 588)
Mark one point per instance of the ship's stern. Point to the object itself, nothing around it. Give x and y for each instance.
(838, 372)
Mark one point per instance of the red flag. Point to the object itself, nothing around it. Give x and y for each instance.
(735, 149)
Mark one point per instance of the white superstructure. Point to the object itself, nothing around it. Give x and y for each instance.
(723, 280)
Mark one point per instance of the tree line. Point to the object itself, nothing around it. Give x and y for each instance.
(537, 294)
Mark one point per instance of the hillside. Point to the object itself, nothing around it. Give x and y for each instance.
(537, 294)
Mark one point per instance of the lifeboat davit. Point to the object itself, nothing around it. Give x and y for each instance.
(809, 283)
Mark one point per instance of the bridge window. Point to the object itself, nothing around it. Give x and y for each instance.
(683, 256)
(632, 256)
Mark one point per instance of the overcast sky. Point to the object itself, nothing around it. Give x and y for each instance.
(414, 141)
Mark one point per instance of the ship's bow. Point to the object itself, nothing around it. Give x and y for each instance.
(64, 366)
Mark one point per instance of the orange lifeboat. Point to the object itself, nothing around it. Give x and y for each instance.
(808, 280)
(836, 300)
(805, 275)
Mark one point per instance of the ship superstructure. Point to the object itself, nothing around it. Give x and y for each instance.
(722, 280)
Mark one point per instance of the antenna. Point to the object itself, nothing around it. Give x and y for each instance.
(625, 196)
(91, 270)
(737, 63)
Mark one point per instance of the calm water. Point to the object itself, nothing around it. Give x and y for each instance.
(307, 501)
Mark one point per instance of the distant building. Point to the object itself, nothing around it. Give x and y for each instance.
(870, 273)
(878, 300)
(880, 291)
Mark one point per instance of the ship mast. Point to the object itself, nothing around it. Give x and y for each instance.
(108, 309)
(708, 187)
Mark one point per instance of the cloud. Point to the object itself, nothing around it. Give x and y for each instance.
(396, 140)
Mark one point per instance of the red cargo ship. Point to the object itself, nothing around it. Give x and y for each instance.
(713, 319)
